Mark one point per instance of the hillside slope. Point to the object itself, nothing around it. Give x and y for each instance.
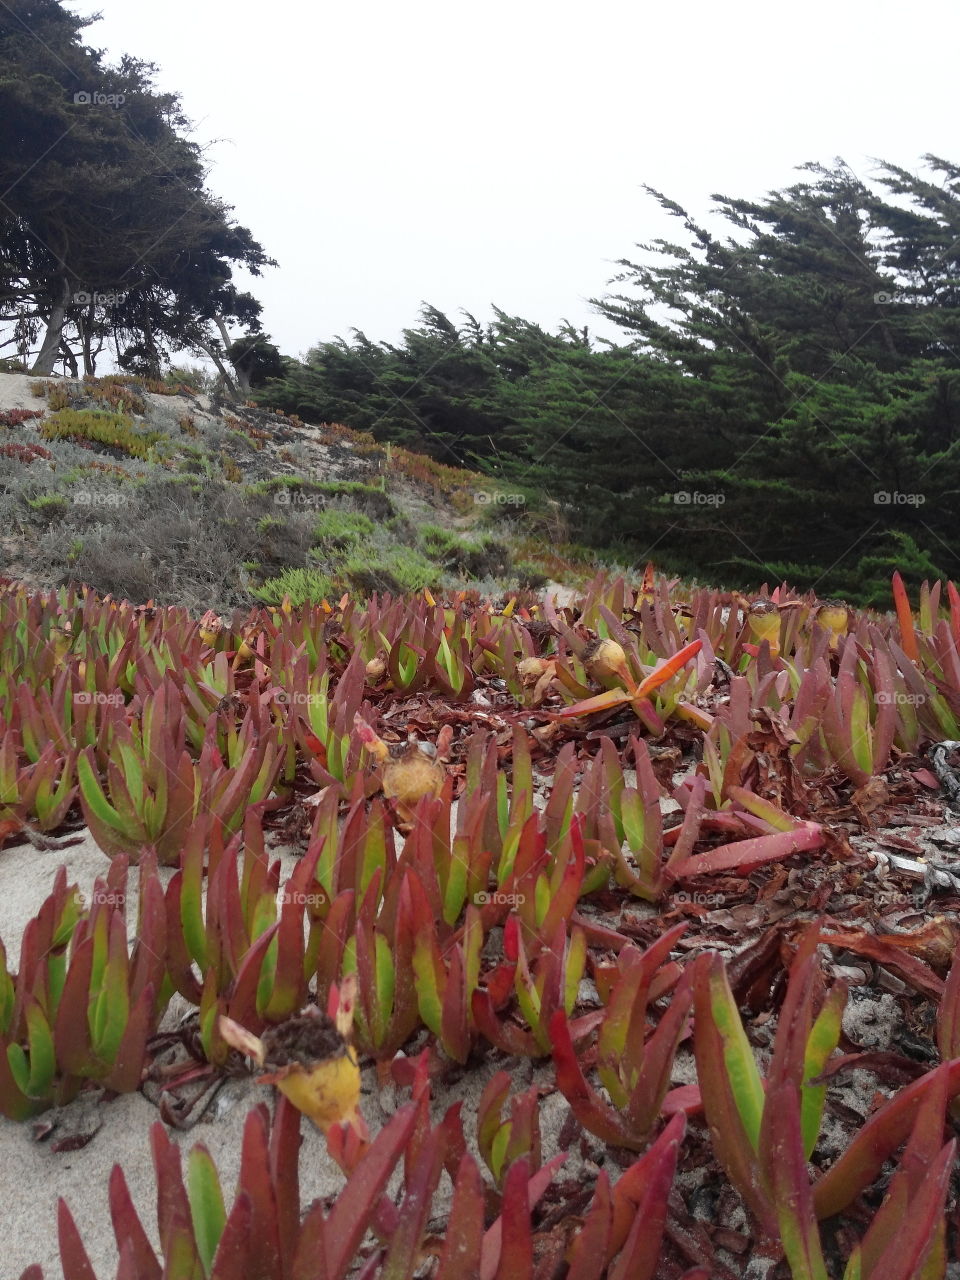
(155, 491)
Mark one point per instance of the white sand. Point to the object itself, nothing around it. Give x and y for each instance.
(15, 391)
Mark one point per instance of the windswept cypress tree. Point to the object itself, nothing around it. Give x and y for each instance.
(784, 401)
(829, 318)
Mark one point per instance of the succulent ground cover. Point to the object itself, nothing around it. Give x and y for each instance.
(662, 842)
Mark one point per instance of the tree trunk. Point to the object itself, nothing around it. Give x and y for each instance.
(86, 338)
(228, 382)
(243, 378)
(50, 347)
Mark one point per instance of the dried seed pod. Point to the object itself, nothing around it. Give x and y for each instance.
(530, 670)
(310, 1059)
(410, 776)
(313, 1065)
(376, 667)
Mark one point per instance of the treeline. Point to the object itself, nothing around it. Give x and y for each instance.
(784, 403)
(109, 236)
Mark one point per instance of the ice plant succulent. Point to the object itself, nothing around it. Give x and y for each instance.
(638, 695)
(310, 1059)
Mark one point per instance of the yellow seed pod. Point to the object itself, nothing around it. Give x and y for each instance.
(834, 617)
(211, 624)
(763, 619)
(376, 668)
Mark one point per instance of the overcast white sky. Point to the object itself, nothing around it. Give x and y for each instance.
(465, 155)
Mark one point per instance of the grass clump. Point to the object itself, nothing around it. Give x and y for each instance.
(469, 557)
(231, 472)
(303, 586)
(339, 529)
(394, 569)
(373, 502)
(114, 430)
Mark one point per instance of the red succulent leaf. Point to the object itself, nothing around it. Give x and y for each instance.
(887, 1129)
(73, 1256)
(129, 1230)
(460, 1259)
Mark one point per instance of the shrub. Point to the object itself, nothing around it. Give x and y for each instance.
(473, 558)
(55, 393)
(48, 507)
(181, 377)
(25, 453)
(529, 577)
(438, 542)
(116, 391)
(231, 471)
(371, 501)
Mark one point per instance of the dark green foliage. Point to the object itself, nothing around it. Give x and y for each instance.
(256, 359)
(786, 398)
